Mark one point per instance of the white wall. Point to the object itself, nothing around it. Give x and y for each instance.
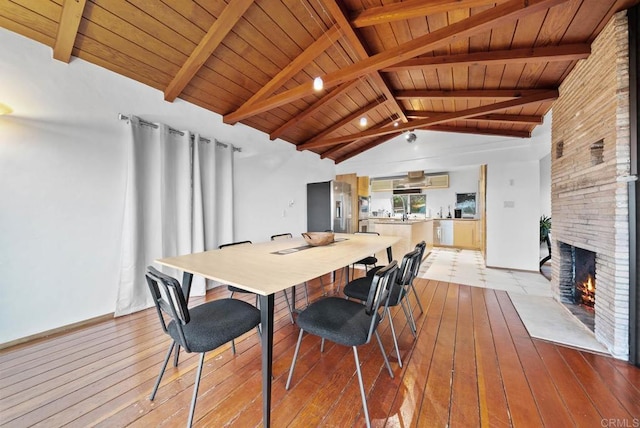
(545, 186)
(513, 200)
(62, 182)
(272, 192)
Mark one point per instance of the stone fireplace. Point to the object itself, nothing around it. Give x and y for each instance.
(589, 198)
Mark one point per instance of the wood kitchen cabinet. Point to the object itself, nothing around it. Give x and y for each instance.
(465, 234)
(363, 186)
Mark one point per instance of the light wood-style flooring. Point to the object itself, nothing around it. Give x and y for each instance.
(473, 364)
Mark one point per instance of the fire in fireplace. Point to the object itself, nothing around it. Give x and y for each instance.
(584, 277)
(586, 292)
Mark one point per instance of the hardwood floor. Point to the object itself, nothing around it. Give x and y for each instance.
(473, 364)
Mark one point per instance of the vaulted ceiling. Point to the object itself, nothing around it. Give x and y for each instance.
(468, 66)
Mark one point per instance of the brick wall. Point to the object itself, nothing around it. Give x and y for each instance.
(590, 164)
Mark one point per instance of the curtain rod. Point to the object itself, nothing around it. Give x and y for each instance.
(175, 131)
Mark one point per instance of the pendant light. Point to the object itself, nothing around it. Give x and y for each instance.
(318, 84)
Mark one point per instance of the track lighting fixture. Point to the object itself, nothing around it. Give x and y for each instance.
(410, 137)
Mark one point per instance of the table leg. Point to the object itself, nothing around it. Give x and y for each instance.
(186, 284)
(389, 255)
(266, 319)
(293, 298)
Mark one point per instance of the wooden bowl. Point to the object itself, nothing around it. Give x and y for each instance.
(317, 239)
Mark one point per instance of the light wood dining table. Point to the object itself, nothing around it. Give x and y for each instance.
(269, 267)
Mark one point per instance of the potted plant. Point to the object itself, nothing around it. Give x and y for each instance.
(545, 229)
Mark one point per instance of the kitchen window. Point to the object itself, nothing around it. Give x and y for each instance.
(410, 204)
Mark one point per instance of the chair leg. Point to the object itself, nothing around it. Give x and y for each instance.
(384, 355)
(345, 276)
(176, 356)
(306, 291)
(293, 363)
(407, 313)
(164, 366)
(286, 299)
(393, 334)
(233, 346)
(258, 306)
(195, 390)
(362, 392)
(417, 297)
(324, 291)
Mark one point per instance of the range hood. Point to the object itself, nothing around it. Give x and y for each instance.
(418, 180)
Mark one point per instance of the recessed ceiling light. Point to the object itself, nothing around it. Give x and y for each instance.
(363, 121)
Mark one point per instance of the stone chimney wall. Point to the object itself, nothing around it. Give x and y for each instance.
(589, 173)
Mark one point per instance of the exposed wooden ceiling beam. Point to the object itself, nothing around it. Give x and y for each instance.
(510, 118)
(339, 147)
(70, 18)
(218, 31)
(301, 61)
(345, 121)
(471, 93)
(362, 53)
(507, 118)
(412, 9)
(362, 149)
(507, 12)
(549, 95)
(481, 131)
(541, 54)
(335, 93)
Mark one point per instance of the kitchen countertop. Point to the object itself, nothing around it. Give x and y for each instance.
(457, 219)
(391, 221)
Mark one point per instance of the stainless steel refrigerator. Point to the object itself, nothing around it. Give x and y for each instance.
(329, 207)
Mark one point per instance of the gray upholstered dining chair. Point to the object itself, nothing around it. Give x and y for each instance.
(359, 289)
(367, 262)
(349, 323)
(201, 329)
(421, 246)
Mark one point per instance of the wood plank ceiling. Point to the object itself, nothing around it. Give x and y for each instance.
(470, 66)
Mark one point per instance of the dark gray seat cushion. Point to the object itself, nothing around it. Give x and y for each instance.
(235, 289)
(370, 260)
(215, 323)
(339, 320)
(359, 289)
